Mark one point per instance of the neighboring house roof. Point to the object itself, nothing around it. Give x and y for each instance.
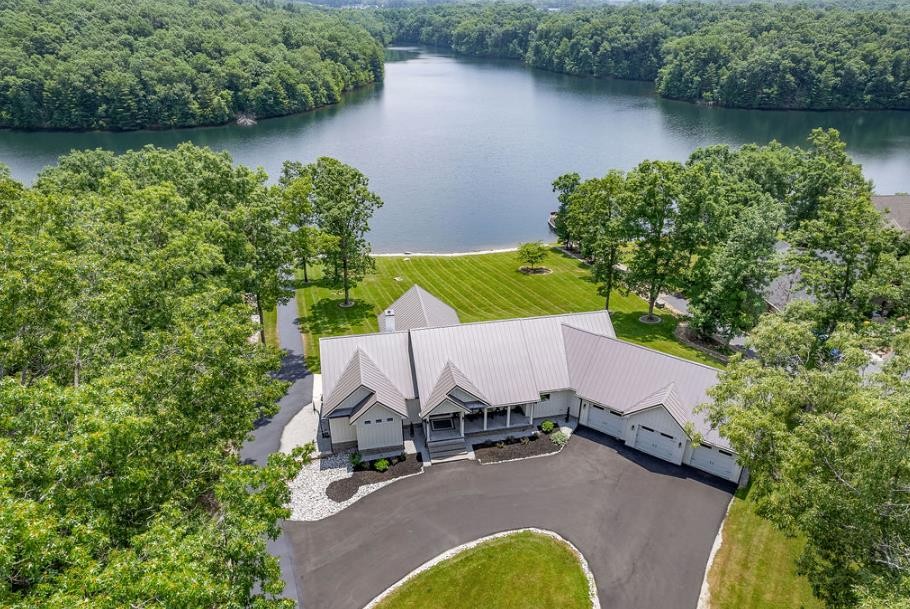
(631, 378)
(389, 351)
(783, 290)
(896, 208)
(417, 308)
(450, 378)
(511, 361)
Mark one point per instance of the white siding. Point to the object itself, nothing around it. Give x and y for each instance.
(602, 419)
(713, 461)
(445, 407)
(557, 404)
(341, 430)
(659, 420)
(378, 427)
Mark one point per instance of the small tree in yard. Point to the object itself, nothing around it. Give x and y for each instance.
(532, 254)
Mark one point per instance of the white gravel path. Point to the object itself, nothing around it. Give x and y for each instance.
(308, 498)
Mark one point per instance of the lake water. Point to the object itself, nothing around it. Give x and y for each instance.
(463, 151)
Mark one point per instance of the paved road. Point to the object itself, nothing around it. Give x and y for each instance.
(266, 437)
(646, 527)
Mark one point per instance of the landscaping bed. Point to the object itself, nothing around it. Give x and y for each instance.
(366, 473)
(515, 448)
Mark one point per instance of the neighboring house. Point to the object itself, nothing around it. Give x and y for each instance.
(452, 384)
(896, 209)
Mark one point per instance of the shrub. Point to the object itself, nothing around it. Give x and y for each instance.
(500, 444)
(381, 465)
(547, 426)
(559, 438)
(525, 441)
(355, 459)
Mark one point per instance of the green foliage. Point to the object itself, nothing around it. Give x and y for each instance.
(91, 64)
(128, 384)
(547, 426)
(826, 442)
(341, 205)
(531, 254)
(768, 55)
(355, 459)
(381, 465)
(559, 438)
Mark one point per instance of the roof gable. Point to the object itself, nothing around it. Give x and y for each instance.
(417, 308)
(449, 378)
(361, 371)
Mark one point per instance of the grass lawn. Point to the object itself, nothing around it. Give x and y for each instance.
(521, 570)
(755, 566)
(480, 287)
(270, 325)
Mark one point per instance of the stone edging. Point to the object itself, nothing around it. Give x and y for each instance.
(592, 586)
(552, 454)
(704, 596)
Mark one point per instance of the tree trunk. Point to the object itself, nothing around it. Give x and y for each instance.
(306, 279)
(261, 319)
(608, 288)
(77, 367)
(347, 298)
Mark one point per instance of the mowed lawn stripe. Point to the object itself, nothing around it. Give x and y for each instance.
(480, 287)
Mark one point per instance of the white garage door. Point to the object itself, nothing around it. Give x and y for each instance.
(605, 420)
(715, 462)
(655, 443)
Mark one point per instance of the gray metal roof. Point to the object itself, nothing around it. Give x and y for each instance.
(631, 378)
(896, 209)
(449, 378)
(361, 371)
(417, 308)
(389, 351)
(511, 361)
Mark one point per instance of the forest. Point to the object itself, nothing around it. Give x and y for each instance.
(762, 55)
(93, 64)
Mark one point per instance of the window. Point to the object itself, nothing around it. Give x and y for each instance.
(666, 435)
(441, 424)
(367, 422)
(379, 420)
(647, 429)
(544, 397)
(389, 420)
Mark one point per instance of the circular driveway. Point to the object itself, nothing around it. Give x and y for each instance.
(645, 526)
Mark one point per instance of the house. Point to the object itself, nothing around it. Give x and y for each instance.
(896, 209)
(428, 377)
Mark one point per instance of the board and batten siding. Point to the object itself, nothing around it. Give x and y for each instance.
(341, 430)
(557, 404)
(378, 427)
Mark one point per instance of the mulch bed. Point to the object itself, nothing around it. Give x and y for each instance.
(491, 452)
(344, 489)
(540, 270)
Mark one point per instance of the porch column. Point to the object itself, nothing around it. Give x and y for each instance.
(531, 414)
(462, 424)
(484, 419)
(508, 416)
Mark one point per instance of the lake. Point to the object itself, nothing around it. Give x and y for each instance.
(463, 150)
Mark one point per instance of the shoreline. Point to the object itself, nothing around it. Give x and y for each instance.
(502, 250)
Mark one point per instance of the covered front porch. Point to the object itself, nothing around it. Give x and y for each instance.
(489, 419)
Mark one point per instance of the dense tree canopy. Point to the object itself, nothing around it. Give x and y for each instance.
(96, 64)
(128, 383)
(739, 55)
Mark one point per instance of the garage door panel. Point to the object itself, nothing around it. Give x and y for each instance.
(605, 420)
(656, 443)
(714, 462)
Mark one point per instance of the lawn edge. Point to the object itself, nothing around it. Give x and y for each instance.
(704, 596)
(451, 553)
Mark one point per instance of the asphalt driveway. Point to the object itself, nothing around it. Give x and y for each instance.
(646, 527)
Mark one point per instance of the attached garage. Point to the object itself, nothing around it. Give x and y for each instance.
(656, 443)
(721, 463)
(603, 419)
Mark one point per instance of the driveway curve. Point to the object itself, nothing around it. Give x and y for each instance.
(645, 527)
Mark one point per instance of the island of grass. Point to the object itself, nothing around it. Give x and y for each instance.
(525, 569)
(481, 287)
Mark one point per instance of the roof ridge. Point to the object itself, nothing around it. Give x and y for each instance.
(643, 347)
(493, 321)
